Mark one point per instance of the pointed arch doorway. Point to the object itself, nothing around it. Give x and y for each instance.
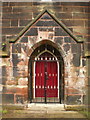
(46, 83)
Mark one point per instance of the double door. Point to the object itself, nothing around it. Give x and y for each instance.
(46, 80)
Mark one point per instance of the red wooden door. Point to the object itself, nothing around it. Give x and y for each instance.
(51, 81)
(46, 77)
(39, 79)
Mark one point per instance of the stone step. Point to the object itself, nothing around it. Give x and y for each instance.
(49, 107)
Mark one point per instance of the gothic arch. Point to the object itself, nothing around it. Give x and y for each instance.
(36, 50)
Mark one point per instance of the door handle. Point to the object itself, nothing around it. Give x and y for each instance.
(46, 77)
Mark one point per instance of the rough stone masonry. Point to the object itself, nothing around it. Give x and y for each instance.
(15, 70)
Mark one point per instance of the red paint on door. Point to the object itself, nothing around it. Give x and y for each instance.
(46, 77)
(39, 79)
(51, 82)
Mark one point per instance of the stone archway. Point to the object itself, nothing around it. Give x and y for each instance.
(55, 57)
